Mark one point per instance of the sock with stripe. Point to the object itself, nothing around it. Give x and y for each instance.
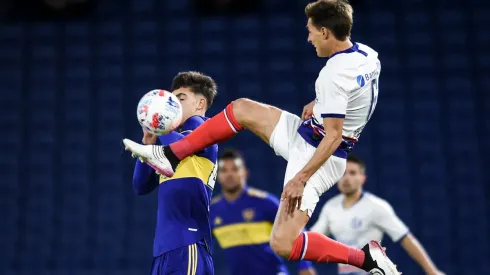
(313, 246)
(219, 128)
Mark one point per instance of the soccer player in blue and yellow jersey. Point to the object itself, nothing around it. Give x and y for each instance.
(242, 220)
(183, 240)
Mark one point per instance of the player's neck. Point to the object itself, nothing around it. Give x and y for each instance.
(233, 195)
(352, 199)
(199, 113)
(340, 46)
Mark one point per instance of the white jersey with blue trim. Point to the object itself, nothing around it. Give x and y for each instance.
(347, 87)
(366, 220)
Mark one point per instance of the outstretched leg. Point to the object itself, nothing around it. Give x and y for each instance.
(241, 114)
(288, 241)
(259, 118)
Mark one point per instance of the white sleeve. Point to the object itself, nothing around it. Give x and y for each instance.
(332, 99)
(389, 222)
(321, 225)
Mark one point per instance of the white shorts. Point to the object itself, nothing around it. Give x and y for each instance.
(287, 143)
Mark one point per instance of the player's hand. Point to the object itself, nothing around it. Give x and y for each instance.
(292, 194)
(149, 139)
(308, 111)
(436, 272)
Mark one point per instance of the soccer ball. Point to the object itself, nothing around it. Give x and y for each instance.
(159, 112)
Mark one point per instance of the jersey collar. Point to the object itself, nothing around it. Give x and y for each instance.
(353, 49)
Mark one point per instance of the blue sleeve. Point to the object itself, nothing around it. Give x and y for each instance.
(144, 178)
(192, 123)
(170, 138)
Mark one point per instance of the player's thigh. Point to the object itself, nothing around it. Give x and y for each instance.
(320, 182)
(190, 260)
(257, 117)
(204, 261)
(288, 227)
(285, 135)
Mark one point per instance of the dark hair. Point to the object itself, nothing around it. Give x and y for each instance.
(198, 83)
(233, 154)
(335, 15)
(357, 160)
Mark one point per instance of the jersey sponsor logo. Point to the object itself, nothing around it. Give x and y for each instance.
(371, 75)
(360, 80)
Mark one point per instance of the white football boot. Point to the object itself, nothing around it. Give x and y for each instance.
(382, 265)
(153, 155)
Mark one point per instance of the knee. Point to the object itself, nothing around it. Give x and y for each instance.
(242, 108)
(281, 245)
(242, 105)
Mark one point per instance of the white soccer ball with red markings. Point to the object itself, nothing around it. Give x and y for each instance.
(159, 112)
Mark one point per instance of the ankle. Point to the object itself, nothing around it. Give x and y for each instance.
(170, 155)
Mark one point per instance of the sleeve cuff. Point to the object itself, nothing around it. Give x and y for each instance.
(401, 237)
(333, 115)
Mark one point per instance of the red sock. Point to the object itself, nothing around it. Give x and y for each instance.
(313, 246)
(219, 128)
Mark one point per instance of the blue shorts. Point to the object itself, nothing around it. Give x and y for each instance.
(189, 260)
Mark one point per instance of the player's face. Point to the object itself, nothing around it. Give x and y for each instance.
(318, 38)
(192, 104)
(353, 179)
(232, 174)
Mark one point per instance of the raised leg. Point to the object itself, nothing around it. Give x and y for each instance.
(259, 118)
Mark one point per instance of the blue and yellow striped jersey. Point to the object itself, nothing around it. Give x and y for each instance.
(243, 228)
(184, 199)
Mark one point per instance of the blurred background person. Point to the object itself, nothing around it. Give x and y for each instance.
(242, 219)
(355, 217)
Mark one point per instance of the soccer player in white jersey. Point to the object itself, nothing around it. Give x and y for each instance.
(355, 217)
(315, 145)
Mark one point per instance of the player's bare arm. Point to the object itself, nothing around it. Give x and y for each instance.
(293, 191)
(331, 141)
(148, 138)
(308, 111)
(419, 255)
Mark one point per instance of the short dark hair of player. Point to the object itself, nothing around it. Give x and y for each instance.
(232, 154)
(335, 15)
(198, 83)
(358, 161)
